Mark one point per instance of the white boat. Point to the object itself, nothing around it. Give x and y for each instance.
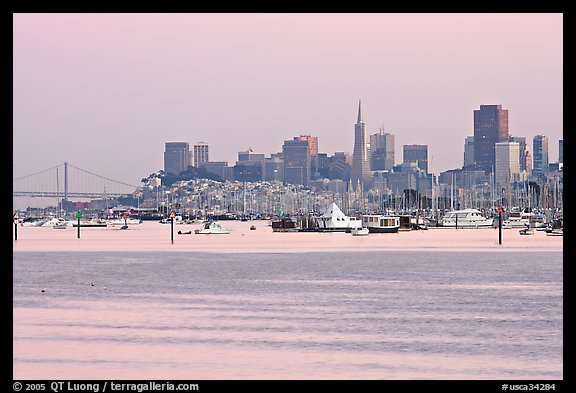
(520, 218)
(55, 221)
(122, 221)
(466, 218)
(92, 222)
(555, 232)
(360, 231)
(333, 220)
(378, 223)
(212, 228)
(61, 225)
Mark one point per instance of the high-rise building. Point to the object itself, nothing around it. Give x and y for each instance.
(561, 150)
(490, 127)
(274, 168)
(417, 154)
(251, 171)
(381, 151)
(177, 157)
(218, 168)
(540, 155)
(507, 164)
(360, 166)
(313, 143)
(250, 166)
(296, 155)
(525, 158)
(200, 153)
(469, 152)
(250, 155)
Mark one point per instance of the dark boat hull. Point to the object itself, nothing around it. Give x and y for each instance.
(383, 229)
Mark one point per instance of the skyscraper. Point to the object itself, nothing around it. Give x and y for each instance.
(360, 165)
(507, 164)
(525, 159)
(490, 127)
(296, 154)
(417, 154)
(177, 157)
(313, 144)
(469, 152)
(540, 155)
(200, 153)
(381, 151)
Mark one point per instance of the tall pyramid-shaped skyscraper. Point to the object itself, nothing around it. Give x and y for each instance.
(360, 166)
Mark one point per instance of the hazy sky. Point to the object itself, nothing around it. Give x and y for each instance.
(106, 91)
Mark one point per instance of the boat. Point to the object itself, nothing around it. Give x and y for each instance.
(212, 228)
(285, 224)
(364, 231)
(334, 220)
(124, 221)
(378, 223)
(32, 221)
(92, 223)
(527, 231)
(519, 218)
(466, 218)
(52, 222)
(555, 232)
(60, 225)
(405, 222)
(252, 227)
(185, 232)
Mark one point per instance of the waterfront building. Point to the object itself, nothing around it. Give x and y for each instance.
(360, 173)
(200, 155)
(417, 154)
(177, 157)
(490, 127)
(381, 151)
(296, 154)
(540, 156)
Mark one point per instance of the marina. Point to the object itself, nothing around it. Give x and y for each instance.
(152, 236)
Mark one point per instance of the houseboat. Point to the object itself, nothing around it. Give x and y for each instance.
(378, 223)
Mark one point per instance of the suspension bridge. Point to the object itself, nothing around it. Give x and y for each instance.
(68, 181)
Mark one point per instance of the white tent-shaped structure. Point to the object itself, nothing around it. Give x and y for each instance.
(334, 220)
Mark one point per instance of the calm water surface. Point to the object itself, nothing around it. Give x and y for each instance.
(382, 314)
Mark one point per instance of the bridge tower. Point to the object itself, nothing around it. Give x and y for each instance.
(66, 183)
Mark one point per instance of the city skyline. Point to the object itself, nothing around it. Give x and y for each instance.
(103, 87)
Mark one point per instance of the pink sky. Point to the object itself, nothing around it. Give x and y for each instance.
(106, 91)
